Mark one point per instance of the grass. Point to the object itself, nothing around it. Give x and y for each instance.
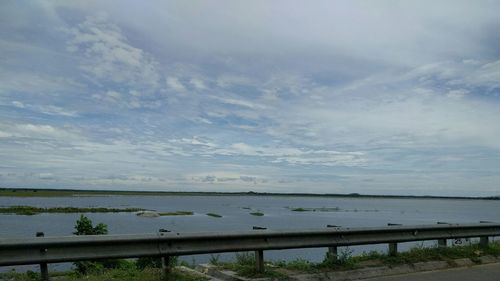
(30, 210)
(257, 214)
(142, 269)
(420, 254)
(133, 274)
(214, 215)
(301, 265)
(244, 264)
(301, 210)
(177, 213)
(328, 209)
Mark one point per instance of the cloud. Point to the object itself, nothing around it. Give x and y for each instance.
(5, 134)
(46, 109)
(287, 155)
(42, 131)
(18, 104)
(109, 56)
(35, 84)
(198, 83)
(227, 178)
(46, 176)
(333, 96)
(174, 84)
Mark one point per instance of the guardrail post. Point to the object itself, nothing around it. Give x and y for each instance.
(333, 253)
(259, 261)
(441, 243)
(393, 249)
(44, 270)
(483, 241)
(165, 265)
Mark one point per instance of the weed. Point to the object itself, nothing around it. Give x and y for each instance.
(177, 213)
(214, 215)
(30, 210)
(214, 259)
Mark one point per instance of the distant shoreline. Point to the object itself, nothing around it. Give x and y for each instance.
(47, 192)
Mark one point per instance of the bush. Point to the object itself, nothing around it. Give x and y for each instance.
(148, 262)
(84, 226)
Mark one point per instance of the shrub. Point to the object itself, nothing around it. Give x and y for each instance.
(84, 226)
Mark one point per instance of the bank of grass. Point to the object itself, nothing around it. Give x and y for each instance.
(131, 274)
(244, 263)
(214, 215)
(177, 213)
(322, 209)
(27, 192)
(30, 210)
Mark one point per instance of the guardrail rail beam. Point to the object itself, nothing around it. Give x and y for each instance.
(44, 250)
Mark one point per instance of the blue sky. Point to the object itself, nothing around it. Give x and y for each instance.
(374, 97)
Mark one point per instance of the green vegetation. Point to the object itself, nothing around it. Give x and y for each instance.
(84, 226)
(258, 214)
(122, 274)
(30, 210)
(214, 215)
(346, 261)
(142, 269)
(295, 265)
(322, 209)
(177, 213)
(245, 266)
(300, 210)
(329, 209)
(419, 254)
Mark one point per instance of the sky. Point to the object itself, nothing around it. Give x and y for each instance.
(371, 97)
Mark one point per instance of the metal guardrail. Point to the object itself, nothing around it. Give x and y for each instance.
(41, 250)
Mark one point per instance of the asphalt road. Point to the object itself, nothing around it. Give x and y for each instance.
(488, 272)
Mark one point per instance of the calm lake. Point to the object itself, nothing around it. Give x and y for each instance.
(236, 211)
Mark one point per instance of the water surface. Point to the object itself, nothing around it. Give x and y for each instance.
(352, 212)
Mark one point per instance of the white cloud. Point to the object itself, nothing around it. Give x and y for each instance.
(5, 134)
(109, 55)
(198, 83)
(237, 102)
(174, 84)
(56, 110)
(297, 156)
(39, 131)
(333, 94)
(18, 104)
(35, 83)
(287, 155)
(46, 109)
(226, 178)
(46, 176)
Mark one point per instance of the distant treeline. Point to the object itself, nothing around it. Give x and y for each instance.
(47, 192)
